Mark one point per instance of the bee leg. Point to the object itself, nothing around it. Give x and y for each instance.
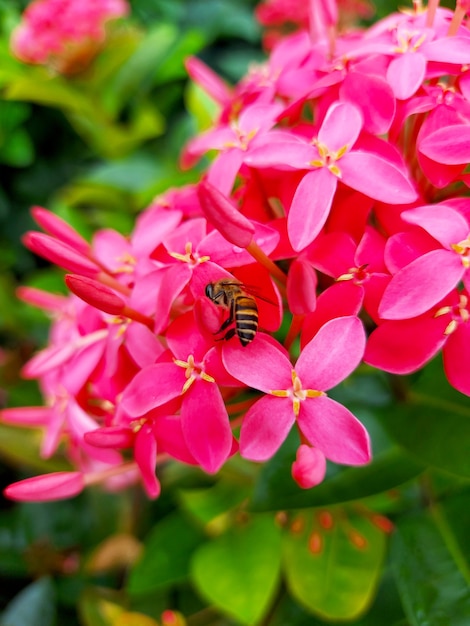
(229, 319)
(229, 334)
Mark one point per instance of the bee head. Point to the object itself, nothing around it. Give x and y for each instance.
(210, 291)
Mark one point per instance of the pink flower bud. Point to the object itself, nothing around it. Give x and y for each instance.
(56, 227)
(224, 216)
(59, 253)
(110, 437)
(95, 293)
(301, 287)
(309, 468)
(208, 80)
(47, 487)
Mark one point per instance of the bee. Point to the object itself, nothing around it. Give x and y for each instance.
(243, 311)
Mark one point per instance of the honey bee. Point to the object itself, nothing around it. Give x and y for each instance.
(243, 311)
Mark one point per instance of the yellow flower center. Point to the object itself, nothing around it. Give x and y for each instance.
(193, 371)
(297, 393)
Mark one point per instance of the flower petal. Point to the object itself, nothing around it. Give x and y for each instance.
(421, 284)
(456, 355)
(310, 207)
(403, 346)
(265, 427)
(261, 364)
(406, 73)
(334, 352)
(333, 429)
(341, 126)
(145, 454)
(152, 387)
(377, 178)
(449, 145)
(206, 427)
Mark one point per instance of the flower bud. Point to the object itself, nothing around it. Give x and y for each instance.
(95, 293)
(224, 216)
(47, 487)
(309, 468)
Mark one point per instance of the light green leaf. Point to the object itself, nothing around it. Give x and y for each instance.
(333, 569)
(431, 584)
(32, 606)
(239, 571)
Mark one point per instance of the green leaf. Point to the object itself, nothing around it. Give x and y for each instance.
(21, 447)
(138, 71)
(18, 149)
(432, 587)
(433, 422)
(166, 556)
(239, 571)
(206, 505)
(333, 568)
(275, 489)
(32, 606)
(39, 86)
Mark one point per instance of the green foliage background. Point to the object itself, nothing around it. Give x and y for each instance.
(239, 548)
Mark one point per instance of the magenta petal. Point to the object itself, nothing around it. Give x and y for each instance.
(406, 73)
(341, 126)
(310, 207)
(329, 426)
(152, 387)
(223, 171)
(421, 284)
(378, 109)
(456, 355)
(260, 364)
(145, 453)
(443, 223)
(449, 145)
(377, 178)
(448, 50)
(168, 432)
(142, 344)
(206, 427)
(334, 352)
(265, 427)
(403, 346)
(47, 487)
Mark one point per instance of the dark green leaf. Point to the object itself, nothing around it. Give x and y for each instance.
(433, 589)
(168, 550)
(206, 505)
(275, 488)
(432, 422)
(33, 606)
(239, 571)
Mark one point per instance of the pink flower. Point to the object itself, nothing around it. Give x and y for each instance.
(404, 346)
(64, 34)
(436, 265)
(299, 395)
(331, 157)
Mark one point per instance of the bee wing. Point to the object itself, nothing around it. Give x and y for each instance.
(255, 291)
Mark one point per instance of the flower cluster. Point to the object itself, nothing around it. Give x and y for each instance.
(336, 202)
(63, 34)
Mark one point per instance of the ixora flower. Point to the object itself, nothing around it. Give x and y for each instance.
(338, 192)
(298, 395)
(64, 34)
